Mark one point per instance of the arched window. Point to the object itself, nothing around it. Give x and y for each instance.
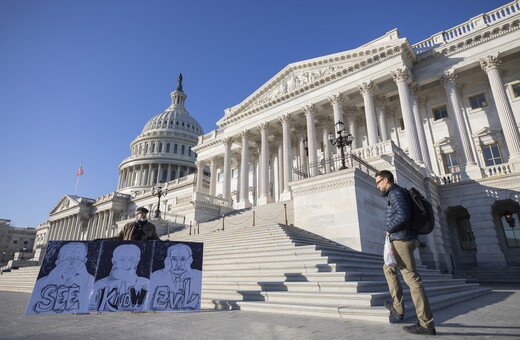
(146, 148)
(168, 147)
(153, 147)
(182, 149)
(175, 148)
(160, 147)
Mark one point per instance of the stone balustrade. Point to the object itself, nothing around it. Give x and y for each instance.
(496, 170)
(459, 31)
(208, 199)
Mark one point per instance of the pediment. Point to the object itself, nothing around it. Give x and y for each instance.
(65, 203)
(485, 131)
(444, 141)
(298, 77)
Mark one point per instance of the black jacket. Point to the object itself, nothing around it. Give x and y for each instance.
(398, 214)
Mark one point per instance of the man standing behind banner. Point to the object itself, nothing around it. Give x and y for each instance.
(139, 230)
(404, 241)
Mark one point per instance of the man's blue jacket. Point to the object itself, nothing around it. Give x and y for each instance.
(398, 213)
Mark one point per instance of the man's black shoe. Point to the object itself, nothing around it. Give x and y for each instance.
(418, 329)
(390, 307)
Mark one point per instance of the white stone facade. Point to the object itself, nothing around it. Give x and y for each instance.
(443, 114)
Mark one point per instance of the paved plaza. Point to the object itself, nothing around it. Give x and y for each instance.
(492, 316)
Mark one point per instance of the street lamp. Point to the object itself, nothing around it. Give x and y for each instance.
(3, 255)
(159, 192)
(344, 139)
(23, 251)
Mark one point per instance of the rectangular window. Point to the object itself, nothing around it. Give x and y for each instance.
(451, 163)
(220, 177)
(478, 101)
(439, 112)
(516, 90)
(492, 154)
(234, 173)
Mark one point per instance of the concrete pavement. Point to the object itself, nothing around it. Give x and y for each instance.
(492, 316)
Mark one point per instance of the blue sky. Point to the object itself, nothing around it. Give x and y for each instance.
(80, 79)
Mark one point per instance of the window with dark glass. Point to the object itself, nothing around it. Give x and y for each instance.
(466, 238)
(439, 112)
(451, 163)
(167, 147)
(492, 154)
(516, 90)
(512, 234)
(153, 147)
(183, 149)
(175, 148)
(478, 101)
(160, 147)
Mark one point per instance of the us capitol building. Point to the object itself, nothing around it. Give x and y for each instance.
(443, 114)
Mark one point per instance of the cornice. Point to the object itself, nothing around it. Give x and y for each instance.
(315, 188)
(298, 79)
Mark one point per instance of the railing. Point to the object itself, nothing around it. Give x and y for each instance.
(496, 170)
(474, 24)
(331, 165)
(208, 199)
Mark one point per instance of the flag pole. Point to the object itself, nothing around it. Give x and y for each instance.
(78, 175)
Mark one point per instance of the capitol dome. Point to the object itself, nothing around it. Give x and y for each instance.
(162, 152)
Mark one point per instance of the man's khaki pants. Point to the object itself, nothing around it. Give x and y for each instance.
(406, 263)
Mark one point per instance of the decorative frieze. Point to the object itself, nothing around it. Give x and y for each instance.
(315, 188)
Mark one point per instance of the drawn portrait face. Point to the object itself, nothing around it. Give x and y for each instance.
(126, 257)
(71, 259)
(180, 258)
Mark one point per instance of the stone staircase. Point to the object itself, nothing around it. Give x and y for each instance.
(263, 214)
(276, 268)
(19, 280)
(282, 269)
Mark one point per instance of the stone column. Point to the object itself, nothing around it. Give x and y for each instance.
(469, 166)
(367, 90)
(381, 117)
(287, 157)
(178, 172)
(264, 197)
(169, 175)
(213, 178)
(310, 112)
(505, 112)
(200, 175)
(325, 124)
(279, 162)
(401, 77)
(109, 224)
(352, 127)
(243, 201)
(226, 188)
(420, 126)
(303, 153)
(159, 173)
(337, 109)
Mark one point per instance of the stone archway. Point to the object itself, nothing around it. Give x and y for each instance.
(462, 240)
(508, 237)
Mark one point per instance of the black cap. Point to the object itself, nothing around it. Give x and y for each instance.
(141, 210)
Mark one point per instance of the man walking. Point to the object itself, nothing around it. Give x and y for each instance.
(404, 241)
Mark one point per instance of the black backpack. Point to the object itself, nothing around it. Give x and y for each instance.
(422, 220)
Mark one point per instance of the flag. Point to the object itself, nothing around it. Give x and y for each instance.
(80, 171)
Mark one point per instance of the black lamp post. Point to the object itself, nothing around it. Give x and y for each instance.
(3, 255)
(344, 139)
(510, 219)
(159, 192)
(23, 251)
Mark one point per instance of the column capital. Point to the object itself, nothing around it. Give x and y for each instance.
(325, 122)
(490, 62)
(199, 164)
(401, 74)
(422, 100)
(264, 126)
(380, 101)
(366, 87)
(449, 77)
(351, 110)
(415, 89)
(246, 134)
(285, 118)
(335, 98)
(226, 140)
(309, 109)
